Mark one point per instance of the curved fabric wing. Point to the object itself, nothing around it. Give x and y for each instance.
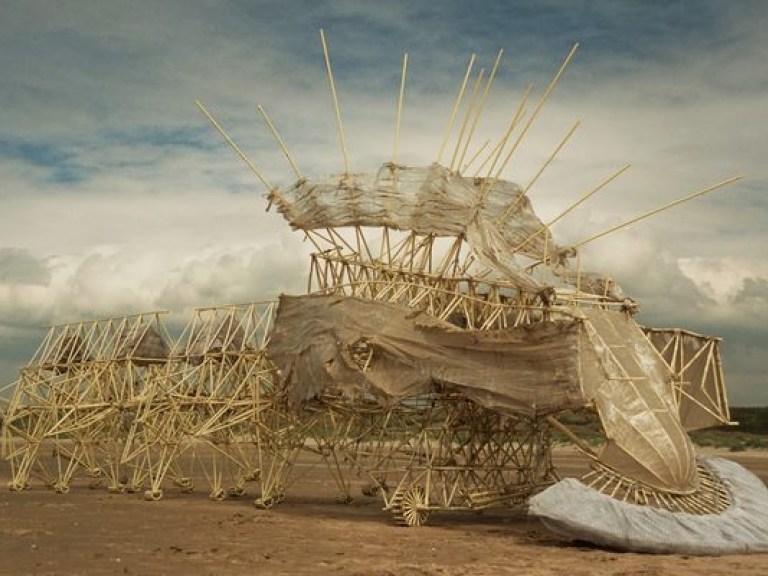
(430, 200)
(637, 407)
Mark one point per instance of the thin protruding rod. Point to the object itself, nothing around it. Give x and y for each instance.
(455, 111)
(480, 108)
(511, 208)
(234, 146)
(467, 116)
(691, 196)
(589, 194)
(538, 108)
(519, 113)
(283, 147)
(398, 120)
(339, 123)
(496, 152)
(583, 446)
(552, 156)
(475, 156)
(573, 206)
(493, 154)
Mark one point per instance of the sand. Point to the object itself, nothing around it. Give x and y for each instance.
(94, 532)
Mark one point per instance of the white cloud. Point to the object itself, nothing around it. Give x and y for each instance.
(116, 195)
(723, 279)
(110, 280)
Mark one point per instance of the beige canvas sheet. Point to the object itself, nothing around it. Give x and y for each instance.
(516, 371)
(358, 346)
(431, 200)
(695, 360)
(636, 403)
(144, 347)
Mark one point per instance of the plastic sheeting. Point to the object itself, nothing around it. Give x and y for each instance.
(575, 511)
(361, 346)
(637, 406)
(695, 359)
(144, 347)
(318, 342)
(431, 200)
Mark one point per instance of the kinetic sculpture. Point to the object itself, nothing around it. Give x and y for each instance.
(442, 334)
(116, 400)
(442, 301)
(78, 396)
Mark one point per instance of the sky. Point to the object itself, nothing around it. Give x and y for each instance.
(116, 195)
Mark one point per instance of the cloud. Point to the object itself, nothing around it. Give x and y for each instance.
(725, 280)
(18, 266)
(110, 281)
(121, 279)
(118, 197)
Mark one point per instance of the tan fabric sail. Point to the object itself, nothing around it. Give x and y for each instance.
(69, 349)
(144, 346)
(430, 200)
(695, 362)
(637, 407)
(363, 346)
(226, 337)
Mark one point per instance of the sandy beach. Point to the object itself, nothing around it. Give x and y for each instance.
(91, 531)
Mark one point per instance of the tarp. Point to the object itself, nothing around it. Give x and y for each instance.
(359, 346)
(577, 512)
(637, 406)
(432, 200)
(144, 346)
(317, 339)
(695, 360)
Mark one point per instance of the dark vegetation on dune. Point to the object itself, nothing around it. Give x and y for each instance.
(751, 432)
